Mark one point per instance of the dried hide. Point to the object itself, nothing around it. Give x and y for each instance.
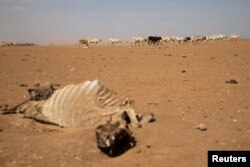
(86, 104)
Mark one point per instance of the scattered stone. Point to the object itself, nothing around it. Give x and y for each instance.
(23, 85)
(147, 118)
(72, 70)
(201, 127)
(77, 158)
(183, 71)
(139, 151)
(153, 103)
(232, 81)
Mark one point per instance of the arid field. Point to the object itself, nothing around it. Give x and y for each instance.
(183, 85)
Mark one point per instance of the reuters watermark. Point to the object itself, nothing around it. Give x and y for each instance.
(228, 158)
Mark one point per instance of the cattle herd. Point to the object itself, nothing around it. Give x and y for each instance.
(151, 40)
(155, 40)
(5, 44)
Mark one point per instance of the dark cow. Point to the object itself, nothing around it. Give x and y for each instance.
(84, 42)
(154, 40)
(186, 39)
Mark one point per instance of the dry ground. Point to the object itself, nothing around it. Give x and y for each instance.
(182, 85)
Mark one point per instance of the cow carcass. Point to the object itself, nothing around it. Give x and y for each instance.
(87, 104)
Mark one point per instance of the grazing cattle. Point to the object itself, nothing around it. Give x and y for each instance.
(138, 40)
(94, 40)
(213, 37)
(186, 39)
(114, 41)
(217, 37)
(222, 37)
(234, 37)
(5, 44)
(166, 39)
(179, 40)
(198, 38)
(154, 40)
(84, 42)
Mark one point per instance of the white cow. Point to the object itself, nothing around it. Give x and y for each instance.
(178, 39)
(94, 40)
(166, 39)
(138, 40)
(222, 37)
(234, 37)
(5, 44)
(198, 38)
(218, 37)
(114, 41)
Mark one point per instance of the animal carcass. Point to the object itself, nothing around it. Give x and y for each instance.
(87, 104)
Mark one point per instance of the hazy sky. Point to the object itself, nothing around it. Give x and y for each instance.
(61, 21)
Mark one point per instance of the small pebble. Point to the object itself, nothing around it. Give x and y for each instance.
(72, 69)
(232, 81)
(201, 127)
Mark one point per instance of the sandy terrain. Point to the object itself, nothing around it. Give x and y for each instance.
(182, 85)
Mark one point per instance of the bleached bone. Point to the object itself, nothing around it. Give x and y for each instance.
(82, 105)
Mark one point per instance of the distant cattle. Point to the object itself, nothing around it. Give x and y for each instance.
(234, 37)
(166, 39)
(84, 42)
(94, 40)
(198, 38)
(217, 37)
(5, 44)
(114, 41)
(138, 40)
(179, 40)
(187, 39)
(154, 40)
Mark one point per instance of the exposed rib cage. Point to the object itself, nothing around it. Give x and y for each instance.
(81, 105)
